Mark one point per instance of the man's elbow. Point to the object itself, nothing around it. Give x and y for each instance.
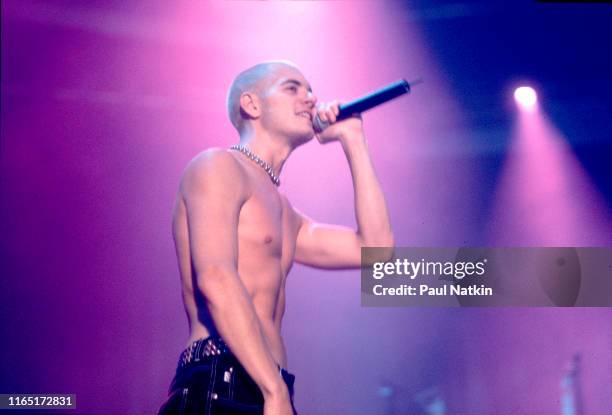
(381, 239)
(213, 281)
(383, 247)
(387, 240)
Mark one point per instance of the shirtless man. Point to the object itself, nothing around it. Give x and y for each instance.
(237, 237)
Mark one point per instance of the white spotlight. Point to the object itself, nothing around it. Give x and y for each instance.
(525, 96)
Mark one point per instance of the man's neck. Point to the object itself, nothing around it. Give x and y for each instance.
(272, 150)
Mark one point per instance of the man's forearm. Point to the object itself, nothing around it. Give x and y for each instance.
(371, 213)
(234, 316)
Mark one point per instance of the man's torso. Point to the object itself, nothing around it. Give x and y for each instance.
(267, 233)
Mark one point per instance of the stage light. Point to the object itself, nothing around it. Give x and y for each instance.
(525, 96)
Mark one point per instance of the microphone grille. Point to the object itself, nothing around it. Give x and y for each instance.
(319, 125)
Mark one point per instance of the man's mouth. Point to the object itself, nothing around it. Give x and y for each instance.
(305, 114)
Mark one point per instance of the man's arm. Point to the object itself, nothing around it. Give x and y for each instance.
(328, 246)
(214, 191)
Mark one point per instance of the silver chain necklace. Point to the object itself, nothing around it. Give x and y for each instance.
(247, 152)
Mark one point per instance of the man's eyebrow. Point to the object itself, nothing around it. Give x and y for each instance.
(296, 82)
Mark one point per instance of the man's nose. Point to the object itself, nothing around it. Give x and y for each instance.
(311, 99)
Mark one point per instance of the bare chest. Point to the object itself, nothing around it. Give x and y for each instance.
(267, 229)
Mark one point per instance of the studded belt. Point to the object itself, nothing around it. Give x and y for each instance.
(202, 349)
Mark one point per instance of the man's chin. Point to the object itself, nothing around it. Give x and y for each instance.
(303, 138)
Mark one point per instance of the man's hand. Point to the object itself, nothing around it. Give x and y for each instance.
(342, 131)
(278, 403)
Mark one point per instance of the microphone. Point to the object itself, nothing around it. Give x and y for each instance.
(367, 102)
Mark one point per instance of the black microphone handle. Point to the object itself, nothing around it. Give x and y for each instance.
(373, 99)
(367, 102)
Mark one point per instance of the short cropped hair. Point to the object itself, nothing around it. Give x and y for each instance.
(249, 80)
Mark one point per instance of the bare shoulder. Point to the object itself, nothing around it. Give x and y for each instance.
(213, 168)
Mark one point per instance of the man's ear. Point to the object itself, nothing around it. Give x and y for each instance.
(250, 104)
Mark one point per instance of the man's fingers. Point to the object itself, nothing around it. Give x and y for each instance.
(331, 116)
(322, 115)
(328, 112)
(335, 107)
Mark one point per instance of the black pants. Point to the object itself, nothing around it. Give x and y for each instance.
(214, 384)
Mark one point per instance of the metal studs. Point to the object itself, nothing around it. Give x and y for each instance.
(267, 168)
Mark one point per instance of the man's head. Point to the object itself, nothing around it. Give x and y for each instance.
(273, 96)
